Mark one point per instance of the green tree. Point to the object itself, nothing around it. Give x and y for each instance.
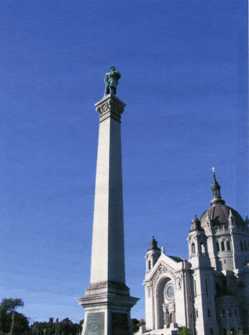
(12, 322)
(135, 325)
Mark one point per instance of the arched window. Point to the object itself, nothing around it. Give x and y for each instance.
(193, 249)
(228, 246)
(222, 246)
(217, 246)
(149, 264)
(203, 250)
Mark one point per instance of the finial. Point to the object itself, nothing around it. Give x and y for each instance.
(216, 189)
(111, 81)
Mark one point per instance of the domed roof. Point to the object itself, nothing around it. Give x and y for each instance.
(219, 213)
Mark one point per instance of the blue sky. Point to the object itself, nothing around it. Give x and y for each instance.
(184, 70)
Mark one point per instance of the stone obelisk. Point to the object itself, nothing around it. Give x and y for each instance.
(107, 301)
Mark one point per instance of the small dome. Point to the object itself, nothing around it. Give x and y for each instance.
(153, 244)
(196, 224)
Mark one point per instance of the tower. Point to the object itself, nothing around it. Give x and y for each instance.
(107, 301)
(152, 254)
(203, 281)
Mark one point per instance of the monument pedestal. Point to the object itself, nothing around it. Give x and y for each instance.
(107, 309)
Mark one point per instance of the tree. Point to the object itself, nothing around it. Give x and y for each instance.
(135, 325)
(63, 327)
(12, 322)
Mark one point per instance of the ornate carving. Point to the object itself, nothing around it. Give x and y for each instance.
(110, 106)
(162, 269)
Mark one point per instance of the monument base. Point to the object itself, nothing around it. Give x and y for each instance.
(107, 309)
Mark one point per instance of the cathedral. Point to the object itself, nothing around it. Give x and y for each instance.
(209, 292)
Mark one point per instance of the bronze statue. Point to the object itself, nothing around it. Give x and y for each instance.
(111, 81)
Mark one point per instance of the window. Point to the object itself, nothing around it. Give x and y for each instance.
(229, 313)
(241, 246)
(209, 313)
(228, 246)
(211, 331)
(149, 265)
(195, 293)
(218, 246)
(245, 246)
(222, 246)
(203, 251)
(193, 248)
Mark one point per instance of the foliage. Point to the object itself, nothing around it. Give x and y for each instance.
(9, 305)
(135, 325)
(184, 331)
(15, 323)
(63, 327)
(12, 322)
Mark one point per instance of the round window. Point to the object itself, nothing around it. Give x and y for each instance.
(169, 292)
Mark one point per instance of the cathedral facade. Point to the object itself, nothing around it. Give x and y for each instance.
(209, 292)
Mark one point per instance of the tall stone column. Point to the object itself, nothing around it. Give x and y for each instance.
(107, 301)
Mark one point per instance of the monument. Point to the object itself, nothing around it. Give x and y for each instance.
(107, 301)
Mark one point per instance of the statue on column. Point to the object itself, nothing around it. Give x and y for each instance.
(111, 81)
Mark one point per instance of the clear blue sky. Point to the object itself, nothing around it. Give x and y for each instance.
(184, 82)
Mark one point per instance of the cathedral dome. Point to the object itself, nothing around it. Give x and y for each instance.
(219, 213)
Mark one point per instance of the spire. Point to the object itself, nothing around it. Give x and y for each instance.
(153, 244)
(196, 224)
(217, 198)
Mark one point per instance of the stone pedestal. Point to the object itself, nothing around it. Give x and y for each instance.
(107, 301)
(107, 309)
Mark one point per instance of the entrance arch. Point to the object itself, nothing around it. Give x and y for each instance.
(164, 302)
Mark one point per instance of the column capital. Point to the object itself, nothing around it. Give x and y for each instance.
(110, 106)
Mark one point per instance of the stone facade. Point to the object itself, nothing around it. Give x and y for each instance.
(209, 292)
